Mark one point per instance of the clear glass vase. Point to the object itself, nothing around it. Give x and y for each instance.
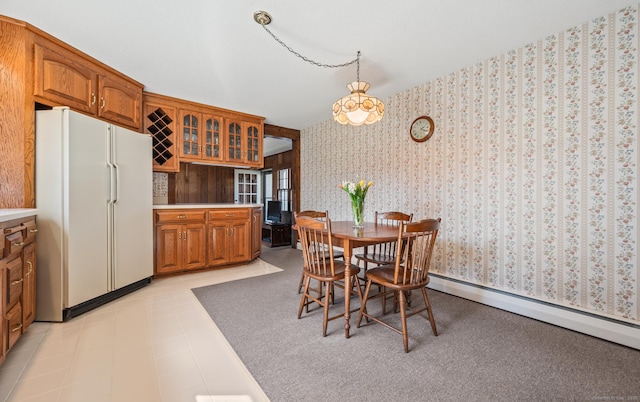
(357, 206)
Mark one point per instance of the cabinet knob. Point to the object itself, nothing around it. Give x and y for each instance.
(182, 216)
(33, 230)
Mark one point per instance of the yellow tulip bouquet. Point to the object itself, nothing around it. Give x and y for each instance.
(357, 192)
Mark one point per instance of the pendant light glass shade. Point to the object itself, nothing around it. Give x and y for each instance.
(358, 108)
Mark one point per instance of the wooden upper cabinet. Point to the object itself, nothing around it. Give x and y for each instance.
(120, 102)
(186, 131)
(201, 136)
(235, 142)
(160, 122)
(245, 143)
(213, 138)
(66, 78)
(254, 144)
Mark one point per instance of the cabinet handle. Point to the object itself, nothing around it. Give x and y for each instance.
(184, 235)
(179, 235)
(30, 267)
(229, 215)
(17, 282)
(33, 230)
(93, 98)
(102, 103)
(20, 244)
(16, 328)
(182, 216)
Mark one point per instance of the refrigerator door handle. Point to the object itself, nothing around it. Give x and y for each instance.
(116, 184)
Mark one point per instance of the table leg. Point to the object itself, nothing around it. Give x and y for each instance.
(347, 285)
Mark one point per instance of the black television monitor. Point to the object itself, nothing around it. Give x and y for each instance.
(274, 208)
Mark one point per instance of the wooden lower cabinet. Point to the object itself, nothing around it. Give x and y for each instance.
(28, 285)
(17, 280)
(256, 232)
(180, 247)
(211, 238)
(3, 322)
(229, 236)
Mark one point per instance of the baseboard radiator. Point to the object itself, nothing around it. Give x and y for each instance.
(601, 327)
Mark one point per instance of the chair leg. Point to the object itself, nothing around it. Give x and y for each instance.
(403, 317)
(304, 300)
(356, 282)
(326, 307)
(431, 319)
(363, 303)
(384, 299)
(300, 284)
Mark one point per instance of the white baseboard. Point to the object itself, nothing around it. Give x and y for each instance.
(603, 328)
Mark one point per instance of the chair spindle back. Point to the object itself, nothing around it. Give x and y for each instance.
(412, 263)
(317, 247)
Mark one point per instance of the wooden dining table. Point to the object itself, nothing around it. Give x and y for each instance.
(344, 235)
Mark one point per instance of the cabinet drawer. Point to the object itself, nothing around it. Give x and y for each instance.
(183, 215)
(14, 281)
(29, 230)
(13, 241)
(14, 324)
(226, 214)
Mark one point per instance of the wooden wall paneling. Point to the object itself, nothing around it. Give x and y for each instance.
(201, 184)
(294, 135)
(16, 117)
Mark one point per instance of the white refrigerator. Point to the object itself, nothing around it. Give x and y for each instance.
(93, 184)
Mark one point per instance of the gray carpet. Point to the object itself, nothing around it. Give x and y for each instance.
(481, 353)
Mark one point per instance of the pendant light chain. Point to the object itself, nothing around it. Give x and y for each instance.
(308, 60)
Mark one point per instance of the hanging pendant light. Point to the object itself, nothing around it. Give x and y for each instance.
(356, 108)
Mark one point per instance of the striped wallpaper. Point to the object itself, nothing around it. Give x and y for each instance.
(533, 168)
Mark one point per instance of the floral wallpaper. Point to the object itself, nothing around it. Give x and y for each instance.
(533, 168)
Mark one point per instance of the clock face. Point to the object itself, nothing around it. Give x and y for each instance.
(421, 129)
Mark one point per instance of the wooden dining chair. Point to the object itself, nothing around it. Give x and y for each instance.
(410, 271)
(321, 215)
(320, 264)
(383, 253)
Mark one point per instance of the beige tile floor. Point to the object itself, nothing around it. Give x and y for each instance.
(156, 344)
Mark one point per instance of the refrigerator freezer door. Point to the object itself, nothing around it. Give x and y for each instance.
(133, 208)
(85, 220)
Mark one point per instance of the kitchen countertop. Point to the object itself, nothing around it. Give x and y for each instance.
(206, 206)
(16, 213)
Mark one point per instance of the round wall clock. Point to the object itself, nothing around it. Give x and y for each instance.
(421, 129)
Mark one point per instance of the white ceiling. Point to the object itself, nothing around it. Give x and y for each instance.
(213, 52)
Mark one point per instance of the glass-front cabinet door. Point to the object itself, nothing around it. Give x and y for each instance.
(212, 138)
(191, 145)
(235, 143)
(254, 148)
